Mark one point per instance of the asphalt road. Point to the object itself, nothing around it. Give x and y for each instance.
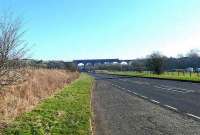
(181, 96)
(174, 97)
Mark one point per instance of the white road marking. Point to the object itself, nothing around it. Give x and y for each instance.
(141, 83)
(129, 91)
(173, 108)
(117, 86)
(133, 92)
(169, 89)
(154, 101)
(177, 89)
(183, 89)
(144, 97)
(120, 87)
(194, 116)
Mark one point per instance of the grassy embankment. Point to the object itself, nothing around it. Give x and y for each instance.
(33, 87)
(167, 75)
(66, 113)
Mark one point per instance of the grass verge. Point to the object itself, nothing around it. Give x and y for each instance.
(33, 86)
(66, 113)
(195, 77)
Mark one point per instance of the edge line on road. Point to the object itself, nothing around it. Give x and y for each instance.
(170, 107)
(162, 105)
(143, 96)
(193, 116)
(154, 101)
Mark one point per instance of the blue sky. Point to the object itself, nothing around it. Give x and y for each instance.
(125, 29)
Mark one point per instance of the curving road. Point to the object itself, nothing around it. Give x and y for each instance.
(116, 97)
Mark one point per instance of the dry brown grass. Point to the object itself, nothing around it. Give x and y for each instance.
(39, 84)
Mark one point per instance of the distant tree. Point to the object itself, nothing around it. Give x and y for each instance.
(180, 56)
(138, 65)
(155, 62)
(70, 66)
(194, 53)
(111, 67)
(12, 48)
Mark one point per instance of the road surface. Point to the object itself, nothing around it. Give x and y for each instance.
(145, 106)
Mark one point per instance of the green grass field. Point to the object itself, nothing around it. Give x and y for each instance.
(166, 75)
(66, 113)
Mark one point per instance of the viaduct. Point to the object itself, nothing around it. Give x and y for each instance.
(92, 62)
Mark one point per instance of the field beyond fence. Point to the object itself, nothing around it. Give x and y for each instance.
(189, 76)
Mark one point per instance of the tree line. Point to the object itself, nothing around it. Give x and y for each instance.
(158, 63)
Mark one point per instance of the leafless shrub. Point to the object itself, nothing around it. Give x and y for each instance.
(12, 48)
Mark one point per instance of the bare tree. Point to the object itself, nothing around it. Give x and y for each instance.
(155, 62)
(12, 48)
